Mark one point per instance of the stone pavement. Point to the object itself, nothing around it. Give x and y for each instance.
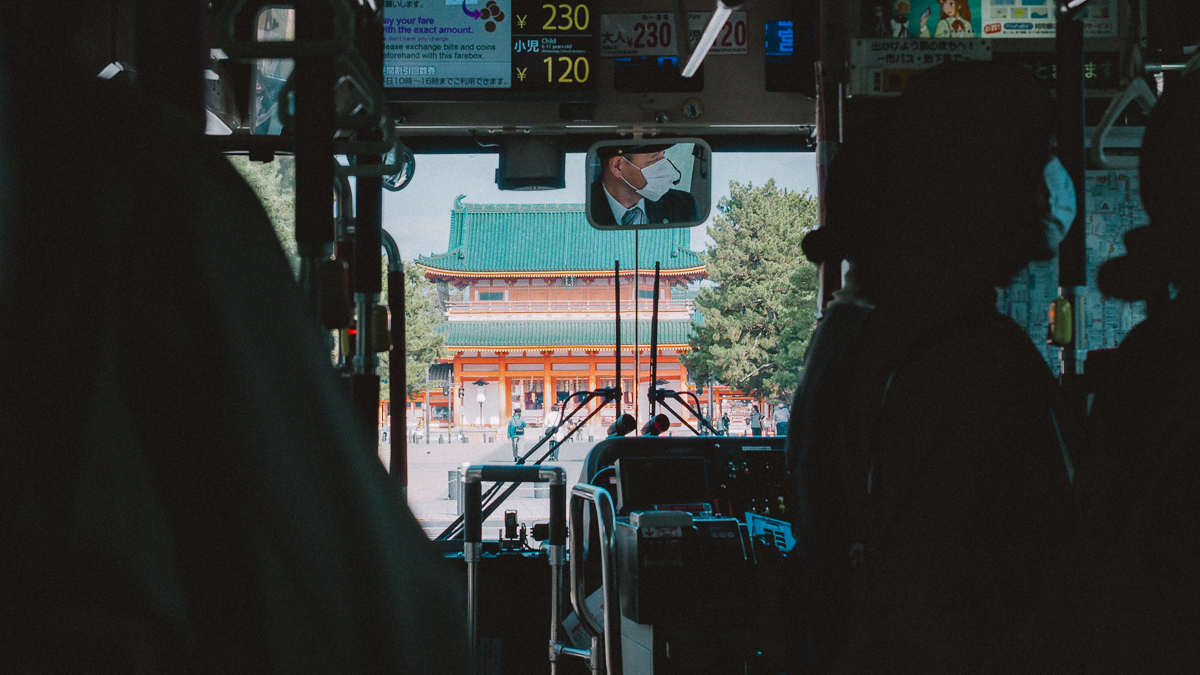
(428, 485)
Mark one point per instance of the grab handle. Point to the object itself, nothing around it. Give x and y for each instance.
(340, 43)
(605, 653)
(556, 476)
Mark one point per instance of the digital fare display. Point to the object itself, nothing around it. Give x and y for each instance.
(517, 45)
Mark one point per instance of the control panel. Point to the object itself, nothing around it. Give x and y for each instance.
(742, 475)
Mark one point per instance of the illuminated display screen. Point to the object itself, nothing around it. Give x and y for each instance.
(479, 48)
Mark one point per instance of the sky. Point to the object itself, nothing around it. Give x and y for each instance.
(419, 216)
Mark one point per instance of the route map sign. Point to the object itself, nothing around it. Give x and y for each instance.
(1113, 208)
(516, 45)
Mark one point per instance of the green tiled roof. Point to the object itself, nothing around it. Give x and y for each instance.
(534, 334)
(550, 238)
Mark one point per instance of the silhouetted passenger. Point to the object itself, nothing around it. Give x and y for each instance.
(929, 482)
(183, 488)
(1139, 478)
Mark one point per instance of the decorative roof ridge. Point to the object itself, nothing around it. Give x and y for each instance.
(518, 208)
(455, 252)
(534, 274)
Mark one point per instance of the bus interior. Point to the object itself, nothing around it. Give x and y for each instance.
(667, 553)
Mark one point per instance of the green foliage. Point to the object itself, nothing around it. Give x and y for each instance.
(423, 345)
(759, 316)
(275, 184)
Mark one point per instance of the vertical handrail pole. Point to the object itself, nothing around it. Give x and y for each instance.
(368, 263)
(171, 55)
(315, 127)
(654, 346)
(556, 552)
(617, 348)
(637, 324)
(472, 550)
(396, 366)
(1072, 252)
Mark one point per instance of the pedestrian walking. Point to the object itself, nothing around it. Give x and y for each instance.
(756, 421)
(516, 429)
(781, 417)
(553, 420)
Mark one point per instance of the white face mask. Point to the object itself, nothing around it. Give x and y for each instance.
(660, 176)
(1062, 203)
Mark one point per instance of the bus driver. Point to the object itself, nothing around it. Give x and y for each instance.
(635, 188)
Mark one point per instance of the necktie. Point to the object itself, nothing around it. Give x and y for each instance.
(631, 216)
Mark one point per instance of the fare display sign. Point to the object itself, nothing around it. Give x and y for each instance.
(521, 46)
(655, 34)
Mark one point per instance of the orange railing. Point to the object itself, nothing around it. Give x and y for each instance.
(599, 306)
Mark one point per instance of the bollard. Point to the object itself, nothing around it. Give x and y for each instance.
(462, 493)
(453, 480)
(439, 439)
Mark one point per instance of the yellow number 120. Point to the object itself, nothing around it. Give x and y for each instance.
(574, 70)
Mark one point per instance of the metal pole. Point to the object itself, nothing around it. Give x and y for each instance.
(314, 148)
(654, 344)
(637, 328)
(1072, 253)
(710, 397)
(830, 74)
(617, 347)
(556, 554)
(368, 259)
(472, 549)
(396, 366)
(171, 54)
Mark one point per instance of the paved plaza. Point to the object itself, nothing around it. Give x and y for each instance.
(428, 484)
(428, 477)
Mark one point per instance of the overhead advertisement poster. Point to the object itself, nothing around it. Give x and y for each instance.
(654, 34)
(933, 19)
(524, 45)
(1035, 18)
(883, 67)
(958, 19)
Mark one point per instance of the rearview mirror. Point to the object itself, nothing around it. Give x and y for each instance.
(659, 183)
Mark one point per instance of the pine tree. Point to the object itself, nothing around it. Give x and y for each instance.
(275, 184)
(423, 345)
(756, 320)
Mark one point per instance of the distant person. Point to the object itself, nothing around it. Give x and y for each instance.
(756, 421)
(553, 419)
(184, 487)
(781, 417)
(516, 430)
(1140, 593)
(718, 425)
(724, 424)
(929, 485)
(635, 187)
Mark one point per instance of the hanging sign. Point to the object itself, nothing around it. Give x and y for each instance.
(882, 67)
(654, 34)
(1035, 18)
